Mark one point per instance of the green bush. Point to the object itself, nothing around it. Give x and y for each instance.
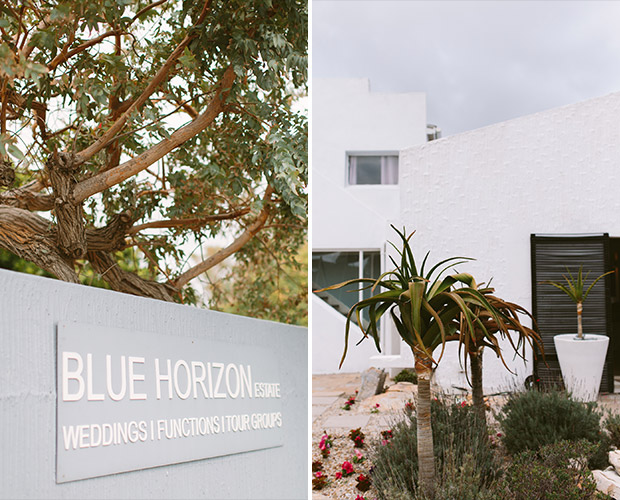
(461, 480)
(407, 375)
(612, 425)
(555, 472)
(461, 444)
(533, 419)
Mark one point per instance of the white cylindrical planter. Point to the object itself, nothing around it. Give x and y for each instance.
(581, 362)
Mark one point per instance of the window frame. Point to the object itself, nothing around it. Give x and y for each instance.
(360, 260)
(354, 153)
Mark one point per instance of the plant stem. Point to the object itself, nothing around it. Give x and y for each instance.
(579, 325)
(475, 362)
(426, 459)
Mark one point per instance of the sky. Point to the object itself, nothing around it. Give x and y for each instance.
(479, 62)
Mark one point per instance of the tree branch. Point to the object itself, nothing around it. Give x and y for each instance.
(126, 282)
(63, 56)
(110, 237)
(193, 222)
(27, 199)
(235, 246)
(146, 9)
(109, 178)
(65, 49)
(159, 77)
(33, 238)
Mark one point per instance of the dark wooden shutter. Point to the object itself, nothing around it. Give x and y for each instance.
(554, 312)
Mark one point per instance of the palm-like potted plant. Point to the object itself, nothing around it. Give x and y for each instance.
(428, 310)
(582, 379)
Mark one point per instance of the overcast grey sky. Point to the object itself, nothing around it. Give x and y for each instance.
(478, 62)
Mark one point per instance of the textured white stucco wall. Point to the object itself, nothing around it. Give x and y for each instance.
(482, 194)
(30, 308)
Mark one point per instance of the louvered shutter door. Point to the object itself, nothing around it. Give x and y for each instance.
(554, 312)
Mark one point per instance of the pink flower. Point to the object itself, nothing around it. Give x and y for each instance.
(338, 475)
(359, 497)
(358, 453)
(318, 474)
(324, 444)
(384, 442)
(347, 467)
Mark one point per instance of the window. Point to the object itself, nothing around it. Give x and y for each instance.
(373, 169)
(330, 268)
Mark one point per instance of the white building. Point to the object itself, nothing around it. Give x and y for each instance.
(357, 135)
(485, 193)
(508, 195)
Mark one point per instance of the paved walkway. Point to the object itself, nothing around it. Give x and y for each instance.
(326, 389)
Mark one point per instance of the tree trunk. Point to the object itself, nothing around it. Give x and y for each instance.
(579, 322)
(475, 362)
(426, 457)
(71, 232)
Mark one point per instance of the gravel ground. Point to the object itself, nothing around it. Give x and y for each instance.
(391, 405)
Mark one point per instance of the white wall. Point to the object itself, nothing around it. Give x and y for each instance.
(348, 117)
(328, 327)
(31, 307)
(482, 194)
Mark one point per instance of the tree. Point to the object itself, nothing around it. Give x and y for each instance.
(428, 311)
(504, 320)
(270, 291)
(151, 126)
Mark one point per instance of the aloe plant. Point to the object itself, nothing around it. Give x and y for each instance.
(428, 311)
(574, 289)
(505, 322)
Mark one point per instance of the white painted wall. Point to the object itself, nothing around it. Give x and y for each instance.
(348, 117)
(483, 193)
(31, 307)
(328, 327)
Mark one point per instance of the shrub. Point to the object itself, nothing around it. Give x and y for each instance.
(555, 472)
(461, 480)
(407, 375)
(612, 425)
(457, 431)
(533, 419)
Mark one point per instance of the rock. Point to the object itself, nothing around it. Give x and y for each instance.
(407, 387)
(614, 459)
(608, 482)
(372, 383)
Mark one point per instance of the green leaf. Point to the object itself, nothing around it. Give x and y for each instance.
(15, 151)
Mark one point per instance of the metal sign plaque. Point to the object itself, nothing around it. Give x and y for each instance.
(131, 400)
